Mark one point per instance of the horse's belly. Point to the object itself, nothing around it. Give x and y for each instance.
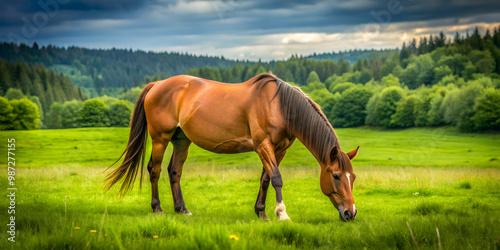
(217, 130)
(230, 146)
(219, 139)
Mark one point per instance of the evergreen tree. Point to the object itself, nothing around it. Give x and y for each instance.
(313, 77)
(14, 94)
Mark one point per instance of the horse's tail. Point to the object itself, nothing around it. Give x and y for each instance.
(135, 151)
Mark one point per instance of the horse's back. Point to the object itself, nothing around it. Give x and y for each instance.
(216, 116)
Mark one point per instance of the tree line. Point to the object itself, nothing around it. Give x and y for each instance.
(98, 69)
(437, 82)
(18, 112)
(470, 106)
(36, 80)
(103, 111)
(434, 82)
(422, 63)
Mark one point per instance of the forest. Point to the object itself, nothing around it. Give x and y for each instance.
(105, 71)
(435, 81)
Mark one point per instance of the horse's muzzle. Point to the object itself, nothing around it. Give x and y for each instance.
(347, 215)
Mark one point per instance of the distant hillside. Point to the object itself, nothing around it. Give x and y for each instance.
(352, 56)
(36, 81)
(96, 69)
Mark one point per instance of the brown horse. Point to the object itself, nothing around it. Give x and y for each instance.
(263, 114)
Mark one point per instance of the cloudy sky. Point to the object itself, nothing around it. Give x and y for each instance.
(240, 28)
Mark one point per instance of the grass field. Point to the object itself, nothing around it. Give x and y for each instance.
(421, 179)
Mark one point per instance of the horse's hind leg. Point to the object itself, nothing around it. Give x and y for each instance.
(154, 169)
(181, 145)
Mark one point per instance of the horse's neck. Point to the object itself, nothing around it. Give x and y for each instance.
(319, 149)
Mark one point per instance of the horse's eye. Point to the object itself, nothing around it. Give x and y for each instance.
(336, 177)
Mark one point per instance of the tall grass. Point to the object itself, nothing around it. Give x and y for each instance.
(56, 194)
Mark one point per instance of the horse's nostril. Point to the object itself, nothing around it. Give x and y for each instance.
(347, 214)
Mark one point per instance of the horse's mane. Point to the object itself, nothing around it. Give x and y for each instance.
(304, 118)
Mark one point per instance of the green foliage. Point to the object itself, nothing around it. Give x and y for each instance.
(93, 114)
(483, 61)
(422, 107)
(107, 100)
(350, 108)
(120, 113)
(436, 113)
(385, 106)
(102, 68)
(313, 86)
(417, 68)
(458, 107)
(390, 80)
(25, 114)
(487, 110)
(313, 77)
(353, 56)
(410, 76)
(53, 119)
(6, 115)
(14, 94)
(36, 100)
(372, 116)
(35, 80)
(341, 87)
(69, 114)
(440, 72)
(451, 79)
(405, 112)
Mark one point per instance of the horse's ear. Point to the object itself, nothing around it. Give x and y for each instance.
(334, 152)
(353, 153)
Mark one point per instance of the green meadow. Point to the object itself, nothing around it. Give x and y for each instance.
(423, 180)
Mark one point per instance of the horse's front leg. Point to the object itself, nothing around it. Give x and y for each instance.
(266, 150)
(260, 204)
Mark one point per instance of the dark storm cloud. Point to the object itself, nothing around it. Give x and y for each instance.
(256, 15)
(12, 11)
(181, 23)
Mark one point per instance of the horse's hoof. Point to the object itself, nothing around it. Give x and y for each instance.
(183, 210)
(158, 211)
(263, 216)
(281, 212)
(285, 218)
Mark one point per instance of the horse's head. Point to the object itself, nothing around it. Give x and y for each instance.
(337, 180)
